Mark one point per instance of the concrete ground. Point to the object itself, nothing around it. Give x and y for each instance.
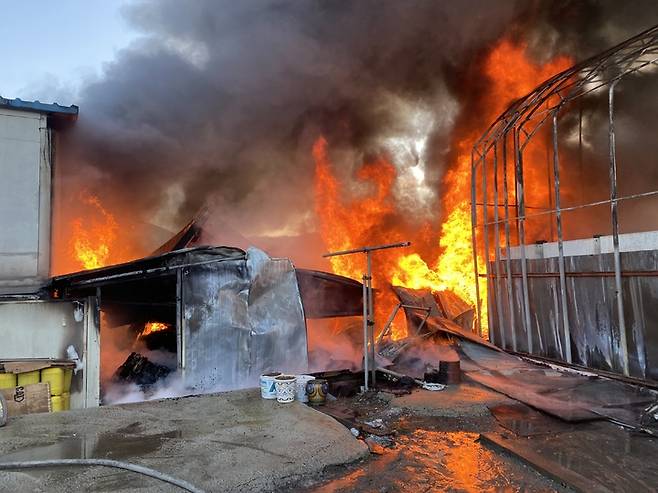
(233, 441)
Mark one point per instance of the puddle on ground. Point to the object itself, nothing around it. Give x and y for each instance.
(427, 460)
(114, 445)
(99, 446)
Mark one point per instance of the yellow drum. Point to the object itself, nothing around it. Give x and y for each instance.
(7, 380)
(55, 377)
(68, 375)
(56, 403)
(28, 378)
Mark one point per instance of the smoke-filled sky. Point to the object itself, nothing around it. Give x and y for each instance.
(219, 102)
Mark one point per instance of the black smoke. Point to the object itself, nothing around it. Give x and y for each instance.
(220, 101)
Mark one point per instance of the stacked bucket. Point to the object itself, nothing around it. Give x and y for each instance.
(58, 380)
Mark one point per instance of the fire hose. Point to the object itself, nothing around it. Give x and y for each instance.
(184, 485)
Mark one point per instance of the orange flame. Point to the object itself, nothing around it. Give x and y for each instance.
(361, 221)
(93, 236)
(150, 327)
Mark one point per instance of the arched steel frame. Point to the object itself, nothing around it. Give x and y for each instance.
(519, 124)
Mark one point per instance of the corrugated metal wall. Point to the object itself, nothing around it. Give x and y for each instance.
(591, 308)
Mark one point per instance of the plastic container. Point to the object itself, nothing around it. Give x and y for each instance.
(302, 380)
(285, 388)
(55, 377)
(68, 376)
(7, 380)
(56, 403)
(267, 387)
(28, 378)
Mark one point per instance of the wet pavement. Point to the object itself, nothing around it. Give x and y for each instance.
(434, 453)
(233, 441)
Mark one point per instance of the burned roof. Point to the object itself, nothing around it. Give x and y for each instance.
(153, 266)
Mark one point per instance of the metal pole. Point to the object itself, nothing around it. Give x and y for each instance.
(510, 287)
(615, 232)
(497, 281)
(371, 319)
(368, 249)
(560, 246)
(386, 328)
(474, 243)
(520, 200)
(485, 233)
(365, 334)
(368, 310)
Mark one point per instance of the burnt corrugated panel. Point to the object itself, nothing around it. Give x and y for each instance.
(326, 295)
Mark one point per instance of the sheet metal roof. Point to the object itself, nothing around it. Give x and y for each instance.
(51, 109)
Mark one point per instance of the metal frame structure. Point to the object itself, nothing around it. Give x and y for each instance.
(369, 364)
(511, 133)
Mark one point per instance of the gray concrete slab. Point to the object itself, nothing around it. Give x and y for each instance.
(233, 441)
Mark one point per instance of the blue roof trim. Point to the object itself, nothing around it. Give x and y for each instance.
(53, 109)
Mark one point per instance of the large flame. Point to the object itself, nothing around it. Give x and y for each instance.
(150, 327)
(360, 221)
(93, 234)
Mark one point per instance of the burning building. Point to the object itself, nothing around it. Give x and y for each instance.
(213, 317)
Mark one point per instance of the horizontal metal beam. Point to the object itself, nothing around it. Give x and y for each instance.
(368, 249)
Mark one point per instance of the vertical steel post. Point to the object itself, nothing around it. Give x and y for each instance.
(560, 246)
(508, 244)
(521, 208)
(474, 220)
(497, 281)
(615, 231)
(371, 320)
(485, 234)
(366, 354)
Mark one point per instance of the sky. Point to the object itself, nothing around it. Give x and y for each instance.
(49, 48)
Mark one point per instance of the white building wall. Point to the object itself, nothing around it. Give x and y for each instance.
(25, 200)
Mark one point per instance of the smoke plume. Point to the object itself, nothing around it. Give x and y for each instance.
(219, 101)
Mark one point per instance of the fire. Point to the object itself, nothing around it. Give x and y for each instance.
(360, 221)
(150, 327)
(93, 235)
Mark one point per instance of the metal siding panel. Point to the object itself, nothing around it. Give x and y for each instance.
(592, 312)
(216, 330)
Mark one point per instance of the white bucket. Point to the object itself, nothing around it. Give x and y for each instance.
(302, 380)
(267, 388)
(285, 388)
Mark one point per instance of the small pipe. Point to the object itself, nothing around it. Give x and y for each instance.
(371, 318)
(365, 334)
(389, 322)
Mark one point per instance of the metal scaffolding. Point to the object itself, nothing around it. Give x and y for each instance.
(495, 224)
